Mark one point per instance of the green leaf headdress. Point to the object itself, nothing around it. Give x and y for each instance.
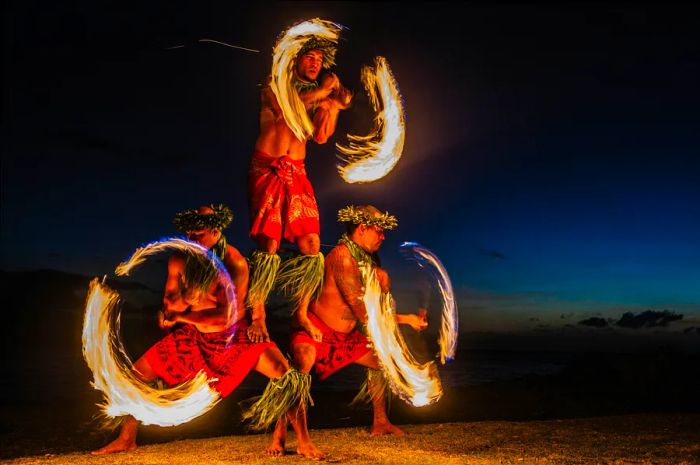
(192, 220)
(325, 46)
(367, 215)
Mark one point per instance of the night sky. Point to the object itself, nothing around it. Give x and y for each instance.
(551, 158)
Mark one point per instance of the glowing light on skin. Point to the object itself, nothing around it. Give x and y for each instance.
(371, 157)
(124, 392)
(416, 383)
(284, 56)
(449, 329)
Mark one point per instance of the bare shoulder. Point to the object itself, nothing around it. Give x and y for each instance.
(234, 259)
(340, 258)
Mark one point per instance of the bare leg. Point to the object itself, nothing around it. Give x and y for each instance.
(297, 417)
(273, 365)
(381, 424)
(309, 244)
(257, 331)
(279, 437)
(304, 357)
(126, 440)
(268, 245)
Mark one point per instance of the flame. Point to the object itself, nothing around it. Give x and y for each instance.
(416, 383)
(371, 157)
(124, 392)
(283, 63)
(449, 328)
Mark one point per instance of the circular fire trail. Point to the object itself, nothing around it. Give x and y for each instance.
(449, 329)
(124, 392)
(416, 383)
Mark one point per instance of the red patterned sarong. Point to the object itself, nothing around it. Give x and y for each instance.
(281, 199)
(336, 350)
(227, 355)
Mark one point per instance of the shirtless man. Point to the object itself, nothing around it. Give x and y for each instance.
(281, 198)
(340, 309)
(195, 300)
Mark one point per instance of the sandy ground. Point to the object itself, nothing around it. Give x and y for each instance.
(628, 439)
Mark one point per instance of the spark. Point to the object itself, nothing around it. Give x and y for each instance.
(229, 45)
(283, 70)
(416, 383)
(449, 329)
(371, 157)
(124, 393)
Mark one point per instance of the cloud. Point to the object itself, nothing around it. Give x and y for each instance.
(692, 330)
(648, 319)
(492, 254)
(594, 322)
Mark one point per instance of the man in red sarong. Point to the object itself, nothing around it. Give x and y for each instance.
(209, 338)
(339, 312)
(281, 199)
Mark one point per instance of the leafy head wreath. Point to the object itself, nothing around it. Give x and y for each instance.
(192, 220)
(325, 46)
(368, 216)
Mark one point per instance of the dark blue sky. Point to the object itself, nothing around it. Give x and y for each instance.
(551, 157)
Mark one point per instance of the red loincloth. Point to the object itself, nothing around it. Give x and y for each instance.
(180, 355)
(281, 199)
(336, 350)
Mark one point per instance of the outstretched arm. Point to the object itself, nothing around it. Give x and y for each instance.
(418, 322)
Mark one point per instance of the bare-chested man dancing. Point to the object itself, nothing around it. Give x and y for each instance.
(281, 198)
(207, 337)
(340, 309)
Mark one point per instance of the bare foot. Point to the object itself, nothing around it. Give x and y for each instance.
(276, 449)
(379, 429)
(118, 445)
(257, 331)
(309, 451)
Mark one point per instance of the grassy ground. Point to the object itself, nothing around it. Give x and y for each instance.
(627, 439)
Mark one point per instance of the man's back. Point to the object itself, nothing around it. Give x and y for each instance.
(341, 283)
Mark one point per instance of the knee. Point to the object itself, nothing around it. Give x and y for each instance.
(304, 356)
(269, 245)
(279, 367)
(142, 369)
(309, 244)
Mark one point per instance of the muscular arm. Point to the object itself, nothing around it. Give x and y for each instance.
(325, 120)
(213, 316)
(418, 322)
(346, 275)
(326, 115)
(173, 300)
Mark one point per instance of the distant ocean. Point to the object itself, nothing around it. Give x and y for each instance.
(471, 368)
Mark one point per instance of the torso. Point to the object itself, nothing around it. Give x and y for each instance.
(276, 139)
(330, 306)
(216, 294)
